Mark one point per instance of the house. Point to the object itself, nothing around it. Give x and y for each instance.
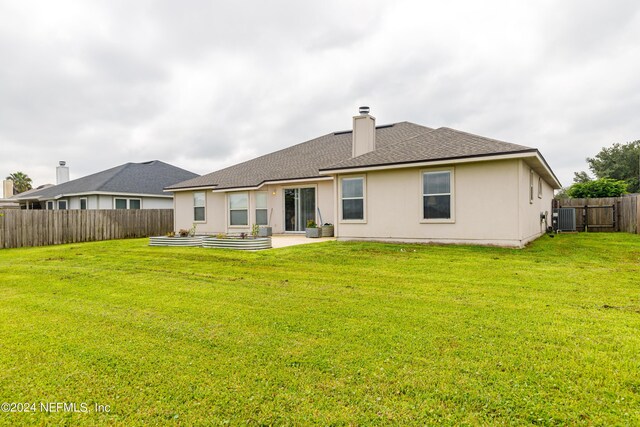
(128, 186)
(398, 182)
(7, 192)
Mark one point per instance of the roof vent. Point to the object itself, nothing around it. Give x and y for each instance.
(364, 110)
(62, 163)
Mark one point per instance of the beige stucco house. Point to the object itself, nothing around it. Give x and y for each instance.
(399, 182)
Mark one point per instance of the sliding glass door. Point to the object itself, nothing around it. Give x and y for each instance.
(299, 207)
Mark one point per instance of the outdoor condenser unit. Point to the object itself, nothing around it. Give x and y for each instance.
(564, 219)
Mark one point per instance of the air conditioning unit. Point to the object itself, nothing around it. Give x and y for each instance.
(564, 219)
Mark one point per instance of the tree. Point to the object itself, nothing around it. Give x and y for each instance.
(619, 162)
(21, 182)
(603, 187)
(581, 177)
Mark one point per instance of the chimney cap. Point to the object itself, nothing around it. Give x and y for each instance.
(62, 163)
(364, 110)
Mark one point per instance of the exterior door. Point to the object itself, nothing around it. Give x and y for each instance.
(299, 207)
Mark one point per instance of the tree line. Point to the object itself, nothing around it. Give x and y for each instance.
(616, 170)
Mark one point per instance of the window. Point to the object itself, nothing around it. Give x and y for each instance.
(436, 195)
(531, 186)
(199, 206)
(50, 205)
(127, 203)
(83, 204)
(352, 191)
(239, 208)
(62, 205)
(261, 208)
(540, 188)
(121, 203)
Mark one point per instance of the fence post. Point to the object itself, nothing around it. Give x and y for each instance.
(585, 218)
(637, 214)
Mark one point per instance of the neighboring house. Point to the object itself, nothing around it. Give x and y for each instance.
(128, 186)
(9, 204)
(399, 182)
(12, 202)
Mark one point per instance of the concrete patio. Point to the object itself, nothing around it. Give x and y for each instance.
(284, 240)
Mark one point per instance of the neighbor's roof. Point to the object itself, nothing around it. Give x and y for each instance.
(396, 144)
(130, 178)
(29, 192)
(299, 161)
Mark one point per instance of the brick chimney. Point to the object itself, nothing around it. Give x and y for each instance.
(364, 133)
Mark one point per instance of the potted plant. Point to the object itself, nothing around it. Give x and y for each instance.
(327, 230)
(312, 229)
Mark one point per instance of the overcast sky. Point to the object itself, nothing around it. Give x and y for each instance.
(203, 85)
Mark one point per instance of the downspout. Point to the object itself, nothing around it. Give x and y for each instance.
(336, 220)
(519, 203)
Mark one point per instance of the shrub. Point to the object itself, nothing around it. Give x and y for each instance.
(603, 187)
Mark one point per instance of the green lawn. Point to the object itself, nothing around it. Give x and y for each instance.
(330, 333)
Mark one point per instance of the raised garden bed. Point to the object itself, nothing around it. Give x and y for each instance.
(247, 244)
(175, 241)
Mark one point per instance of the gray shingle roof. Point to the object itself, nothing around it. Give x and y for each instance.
(439, 144)
(300, 161)
(136, 178)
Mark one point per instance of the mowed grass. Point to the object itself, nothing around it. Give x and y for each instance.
(331, 333)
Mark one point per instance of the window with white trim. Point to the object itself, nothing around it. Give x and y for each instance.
(120, 203)
(50, 205)
(199, 199)
(531, 186)
(83, 203)
(261, 208)
(540, 188)
(62, 205)
(436, 195)
(239, 208)
(352, 194)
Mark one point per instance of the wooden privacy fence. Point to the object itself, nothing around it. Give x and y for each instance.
(19, 228)
(605, 213)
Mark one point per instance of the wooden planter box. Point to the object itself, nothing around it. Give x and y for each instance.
(175, 241)
(313, 233)
(248, 244)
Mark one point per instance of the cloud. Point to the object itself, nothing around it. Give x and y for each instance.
(206, 84)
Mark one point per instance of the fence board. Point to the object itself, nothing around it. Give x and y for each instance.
(20, 228)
